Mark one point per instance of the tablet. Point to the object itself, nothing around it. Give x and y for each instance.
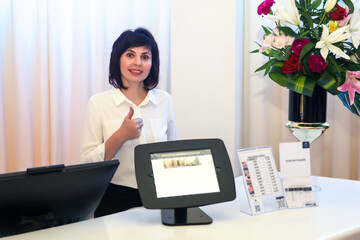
(179, 176)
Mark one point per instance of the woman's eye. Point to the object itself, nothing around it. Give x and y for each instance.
(145, 57)
(130, 55)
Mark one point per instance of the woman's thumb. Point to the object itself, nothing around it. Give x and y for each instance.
(131, 113)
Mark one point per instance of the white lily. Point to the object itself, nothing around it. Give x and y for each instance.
(288, 14)
(330, 4)
(326, 41)
(355, 27)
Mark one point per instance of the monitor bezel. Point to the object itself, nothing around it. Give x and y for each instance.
(145, 175)
(36, 202)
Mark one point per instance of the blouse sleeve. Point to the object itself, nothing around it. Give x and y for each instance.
(93, 145)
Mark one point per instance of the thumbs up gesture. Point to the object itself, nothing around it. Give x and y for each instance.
(131, 128)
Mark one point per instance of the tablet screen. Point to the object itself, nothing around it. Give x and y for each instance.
(182, 173)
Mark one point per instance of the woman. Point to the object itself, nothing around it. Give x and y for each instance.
(133, 112)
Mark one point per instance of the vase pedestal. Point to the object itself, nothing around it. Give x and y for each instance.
(307, 132)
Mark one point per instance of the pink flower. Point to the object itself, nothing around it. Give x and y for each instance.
(268, 40)
(298, 45)
(265, 7)
(345, 21)
(317, 63)
(351, 84)
(276, 31)
(282, 40)
(290, 40)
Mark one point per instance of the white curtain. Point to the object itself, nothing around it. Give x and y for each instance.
(53, 56)
(335, 154)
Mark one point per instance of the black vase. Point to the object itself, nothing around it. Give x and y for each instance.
(307, 109)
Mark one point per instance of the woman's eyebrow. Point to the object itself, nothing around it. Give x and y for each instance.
(147, 52)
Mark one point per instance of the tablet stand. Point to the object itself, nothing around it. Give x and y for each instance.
(184, 216)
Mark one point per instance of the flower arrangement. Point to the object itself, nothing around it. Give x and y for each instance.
(313, 42)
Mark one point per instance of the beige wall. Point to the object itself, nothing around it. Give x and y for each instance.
(205, 71)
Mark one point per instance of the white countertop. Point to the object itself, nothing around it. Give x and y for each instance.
(336, 217)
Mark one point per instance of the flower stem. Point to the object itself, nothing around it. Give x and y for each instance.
(322, 19)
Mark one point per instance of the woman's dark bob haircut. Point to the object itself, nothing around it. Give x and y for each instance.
(134, 38)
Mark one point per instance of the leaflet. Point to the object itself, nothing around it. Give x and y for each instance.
(296, 171)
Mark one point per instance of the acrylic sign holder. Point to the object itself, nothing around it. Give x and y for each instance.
(261, 179)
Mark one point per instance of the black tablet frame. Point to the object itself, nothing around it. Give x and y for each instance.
(146, 183)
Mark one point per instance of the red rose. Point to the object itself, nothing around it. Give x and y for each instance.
(339, 14)
(298, 45)
(317, 63)
(265, 7)
(291, 65)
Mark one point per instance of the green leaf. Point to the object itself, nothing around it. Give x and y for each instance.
(259, 44)
(288, 31)
(357, 51)
(266, 30)
(334, 63)
(350, 4)
(355, 108)
(308, 19)
(316, 20)
(278, 76)
(315, 4)
(304, 34)
(329, 82)
(283, 56)
(268, 64)
(305, 50)
(301, 84)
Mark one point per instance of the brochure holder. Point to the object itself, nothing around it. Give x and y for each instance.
(296, 172)
(261, 180)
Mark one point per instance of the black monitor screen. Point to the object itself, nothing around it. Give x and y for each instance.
(49, 196)
(184, 173)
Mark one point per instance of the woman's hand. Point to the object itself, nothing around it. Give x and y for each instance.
(131, 128)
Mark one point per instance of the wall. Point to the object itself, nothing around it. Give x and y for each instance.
(205, 70)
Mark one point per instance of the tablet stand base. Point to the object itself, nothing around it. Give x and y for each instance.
(184, 216)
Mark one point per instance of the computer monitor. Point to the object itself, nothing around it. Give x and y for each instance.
(44, 197)
(179, 176)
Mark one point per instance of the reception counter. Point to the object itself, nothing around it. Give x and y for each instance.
(336, 217)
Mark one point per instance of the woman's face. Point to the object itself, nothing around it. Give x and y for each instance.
(135, 65)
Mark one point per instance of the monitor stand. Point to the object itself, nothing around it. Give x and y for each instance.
(184, 216)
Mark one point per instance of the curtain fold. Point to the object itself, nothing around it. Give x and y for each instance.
(53, 56)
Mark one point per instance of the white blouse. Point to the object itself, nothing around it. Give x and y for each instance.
(105, 115)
